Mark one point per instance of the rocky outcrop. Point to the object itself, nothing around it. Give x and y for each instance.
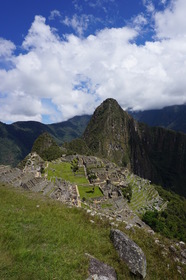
(129, 252)
(100, 271)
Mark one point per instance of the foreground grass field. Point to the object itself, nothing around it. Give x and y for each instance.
(42, 239)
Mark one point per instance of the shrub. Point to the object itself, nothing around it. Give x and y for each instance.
(127, 192)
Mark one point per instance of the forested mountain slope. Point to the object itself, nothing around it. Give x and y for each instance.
(16, 140)
(172, 117)
(150, 152)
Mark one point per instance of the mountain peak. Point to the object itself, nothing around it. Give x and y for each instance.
(151, 153)
(109, 103)
(107, 131)
(110, 110)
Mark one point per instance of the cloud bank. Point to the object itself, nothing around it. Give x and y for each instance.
(56, 77)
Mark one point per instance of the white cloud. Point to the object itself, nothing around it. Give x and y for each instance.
(163, 2)
(54, 14)
(78, 23)
(74, 75)
(40, 35)
(20, 106)
(149, 6)
(6, 48)
(171, 22)
(138, 22)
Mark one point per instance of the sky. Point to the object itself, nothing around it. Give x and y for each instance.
(62, 58)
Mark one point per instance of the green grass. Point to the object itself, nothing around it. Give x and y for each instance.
(87, 192)
(44, 240)
(106, 205)
(63, 170)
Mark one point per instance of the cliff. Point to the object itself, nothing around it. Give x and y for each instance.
(155, 153)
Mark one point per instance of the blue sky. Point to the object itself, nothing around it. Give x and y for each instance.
(61, 58)
(17, 16)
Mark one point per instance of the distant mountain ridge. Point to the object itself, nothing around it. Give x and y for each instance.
(16, 140)
(171, 117)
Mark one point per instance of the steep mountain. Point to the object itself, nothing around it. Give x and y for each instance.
(16, 140)
(172, 117)
(109, 131)
(155, 153)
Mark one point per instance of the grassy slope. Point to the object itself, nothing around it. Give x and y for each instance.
(42, 239)
(48, 241)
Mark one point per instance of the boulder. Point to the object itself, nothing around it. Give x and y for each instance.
(97, 277)
(129, 252)
(100, 271)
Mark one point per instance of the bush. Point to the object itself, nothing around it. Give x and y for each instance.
(74, 165)
(127, 192)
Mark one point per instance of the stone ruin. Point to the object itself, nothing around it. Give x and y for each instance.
(30, 179)
(109, 178)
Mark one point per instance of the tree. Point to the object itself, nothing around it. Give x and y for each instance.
(74, 165)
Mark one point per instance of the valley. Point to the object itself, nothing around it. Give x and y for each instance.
(109, 178)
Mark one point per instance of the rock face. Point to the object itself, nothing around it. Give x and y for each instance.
(100, 271)
(153, 153)
(129, 252)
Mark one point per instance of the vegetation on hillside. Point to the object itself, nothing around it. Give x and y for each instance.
(43, 239)
(127, 192)
(154, 153)
(77, 146)
(16, 140)
(108, 124)
(46, 147)
(170, 222)
(171, 117)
